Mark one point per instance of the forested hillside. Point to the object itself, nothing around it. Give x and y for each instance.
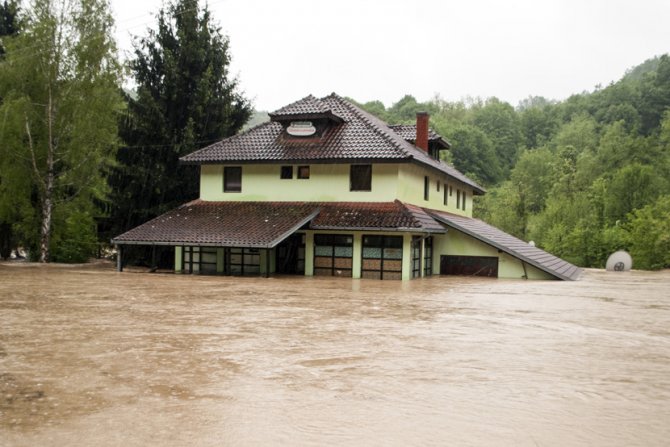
(582, 177)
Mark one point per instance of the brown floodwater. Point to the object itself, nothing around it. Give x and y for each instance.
(89, 356)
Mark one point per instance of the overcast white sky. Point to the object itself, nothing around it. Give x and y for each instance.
(374, 49)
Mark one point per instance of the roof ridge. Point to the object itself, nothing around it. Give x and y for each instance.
(369, 119)
(309, 97)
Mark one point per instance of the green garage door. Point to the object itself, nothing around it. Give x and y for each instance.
(469, 266)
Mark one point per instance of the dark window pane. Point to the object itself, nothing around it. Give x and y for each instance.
(303, 172)
(426, 187)
(360, 178)
(286, 172)
(232, 179)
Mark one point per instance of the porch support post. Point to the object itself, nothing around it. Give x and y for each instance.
(267, 262)
(119, 258)
(407, 257)
(153, 257)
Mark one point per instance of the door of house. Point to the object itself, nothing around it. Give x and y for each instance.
(290, 258)
(469, 265)
(333, 254)
(382, 257)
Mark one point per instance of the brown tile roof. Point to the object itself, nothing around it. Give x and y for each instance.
(391, 216)
(408, 132)
(361, 137)
(265, 224)
(308, 107)
(509, 244)
(222, 224)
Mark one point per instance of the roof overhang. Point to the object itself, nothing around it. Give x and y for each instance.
(554, 266)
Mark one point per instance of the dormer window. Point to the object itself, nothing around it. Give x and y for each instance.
(301, 129)
(306, 120)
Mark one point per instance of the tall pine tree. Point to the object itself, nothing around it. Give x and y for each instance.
(185, 100)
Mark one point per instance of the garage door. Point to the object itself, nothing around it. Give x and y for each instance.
(333, 254)
(469, 266)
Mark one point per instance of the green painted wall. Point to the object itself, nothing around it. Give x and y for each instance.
(177, 259)
(411, 188)
(327, 183)
(330, 183)
(460, 244)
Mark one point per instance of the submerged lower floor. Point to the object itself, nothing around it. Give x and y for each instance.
(358, 255)
(365, 240)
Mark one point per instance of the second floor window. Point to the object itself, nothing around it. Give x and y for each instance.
(303, 172)
(360, 178)
(286, 172)
(232, 179)
(426, 188)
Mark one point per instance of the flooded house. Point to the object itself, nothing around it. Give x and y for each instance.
(325, 188)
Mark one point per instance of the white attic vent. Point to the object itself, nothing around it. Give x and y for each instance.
(301, 129)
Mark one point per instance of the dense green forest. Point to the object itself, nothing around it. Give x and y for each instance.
(581, 177)
(82, 159)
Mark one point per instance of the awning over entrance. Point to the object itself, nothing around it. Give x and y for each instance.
(509, 244)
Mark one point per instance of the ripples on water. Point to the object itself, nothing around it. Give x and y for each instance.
(92, 357)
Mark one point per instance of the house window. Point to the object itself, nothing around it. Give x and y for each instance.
(416, 256)
(446, 196)
(360, 178)
(426, 188)
(382, 257)
(232, 179)
(451, 190)
(463, 201)
(333, 254)
(303, 172)
(243, 261)
(286, 172)
(458, 198)
(438, 186)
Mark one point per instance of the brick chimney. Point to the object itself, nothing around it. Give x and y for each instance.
(422, 130)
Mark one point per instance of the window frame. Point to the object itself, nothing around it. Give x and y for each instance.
(367, 181)
(286, 173)
(300, 175)
(227, 170)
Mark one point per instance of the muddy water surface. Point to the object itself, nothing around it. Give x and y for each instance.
(89, 356)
